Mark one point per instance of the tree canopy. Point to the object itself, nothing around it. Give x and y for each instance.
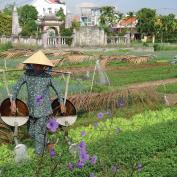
(146, 21)
(5, 24)
(108, 16)
(61, 14)
(28, 16)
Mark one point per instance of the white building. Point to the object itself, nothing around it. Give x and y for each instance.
(47, 7)
(89, 15)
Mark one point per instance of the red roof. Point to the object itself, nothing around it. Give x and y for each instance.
(76, 18)
(54, 1)
(127, 21)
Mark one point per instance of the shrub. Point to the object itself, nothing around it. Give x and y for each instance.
(158, 47)
(5, 46)
(67, 33)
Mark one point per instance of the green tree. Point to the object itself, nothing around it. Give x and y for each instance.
(8, 10)
(168, 26)
(108, 17)
(120, 16)
(131, 15)
(146, 21)
(29, 28)
(61, 15)
(76, 24)
(67, 32)
(5, 24)
(28, 16)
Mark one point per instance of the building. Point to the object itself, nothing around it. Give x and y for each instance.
(128, 25)
(48, 7)
(89, 15)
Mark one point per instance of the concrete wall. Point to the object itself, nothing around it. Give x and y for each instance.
(89, 36)
(21, 40)
(85, 37)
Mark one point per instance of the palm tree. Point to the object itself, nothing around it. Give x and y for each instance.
(120, 17)
(108, 16)
(130, 15)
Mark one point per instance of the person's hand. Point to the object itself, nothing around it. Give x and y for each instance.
(63, 108)
(13, 107)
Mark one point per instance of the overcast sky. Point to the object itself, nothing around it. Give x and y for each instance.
(162, 6)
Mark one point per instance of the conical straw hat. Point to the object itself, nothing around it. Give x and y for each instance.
(38, 58)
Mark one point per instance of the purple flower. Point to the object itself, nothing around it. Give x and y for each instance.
(39, 99)
(83, 133)
(82, 145)
(52, 125)
(93, 160)
(139, 167)
(80, 164)
(84, 157)
(83, 152)
(70, 166)
(100, 115)
(120, 103)
(92, 175)
(52, 153)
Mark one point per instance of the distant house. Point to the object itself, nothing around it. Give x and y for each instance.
(127, 24)
(48, 7)
(76, 18)
(89, 15)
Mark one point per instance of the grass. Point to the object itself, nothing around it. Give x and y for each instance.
(165, 47)
(133, 135)
(121, 75)
(167, 88)
(138, 75)
(147, 138)
(5, 46)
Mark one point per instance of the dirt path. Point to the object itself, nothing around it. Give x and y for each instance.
(152, 83)
(169, 99)
(79, 70)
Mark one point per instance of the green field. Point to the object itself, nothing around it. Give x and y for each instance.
(133, 140)
(148, 138)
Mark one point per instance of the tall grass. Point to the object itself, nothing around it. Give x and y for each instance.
(5, 46)
(164, 47)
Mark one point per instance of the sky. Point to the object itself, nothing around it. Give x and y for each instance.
(162, 6)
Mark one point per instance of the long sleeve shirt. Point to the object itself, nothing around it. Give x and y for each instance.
(39, 103)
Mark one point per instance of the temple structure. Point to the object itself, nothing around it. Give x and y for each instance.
(16, 29)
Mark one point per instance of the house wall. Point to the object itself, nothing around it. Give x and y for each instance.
(89, 36)
(43, 6)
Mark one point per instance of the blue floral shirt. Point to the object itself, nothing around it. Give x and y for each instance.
(39, 103)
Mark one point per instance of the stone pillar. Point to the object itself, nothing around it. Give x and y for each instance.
(68, 20)
(74, 38)
(44, 39)
(15, 23)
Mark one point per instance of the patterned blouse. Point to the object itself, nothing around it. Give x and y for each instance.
(39, 103)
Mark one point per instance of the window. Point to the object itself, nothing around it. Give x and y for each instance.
(50, 10)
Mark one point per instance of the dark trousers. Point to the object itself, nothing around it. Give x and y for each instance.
(37, 129)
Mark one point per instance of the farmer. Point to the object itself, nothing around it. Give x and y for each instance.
(39, 104)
